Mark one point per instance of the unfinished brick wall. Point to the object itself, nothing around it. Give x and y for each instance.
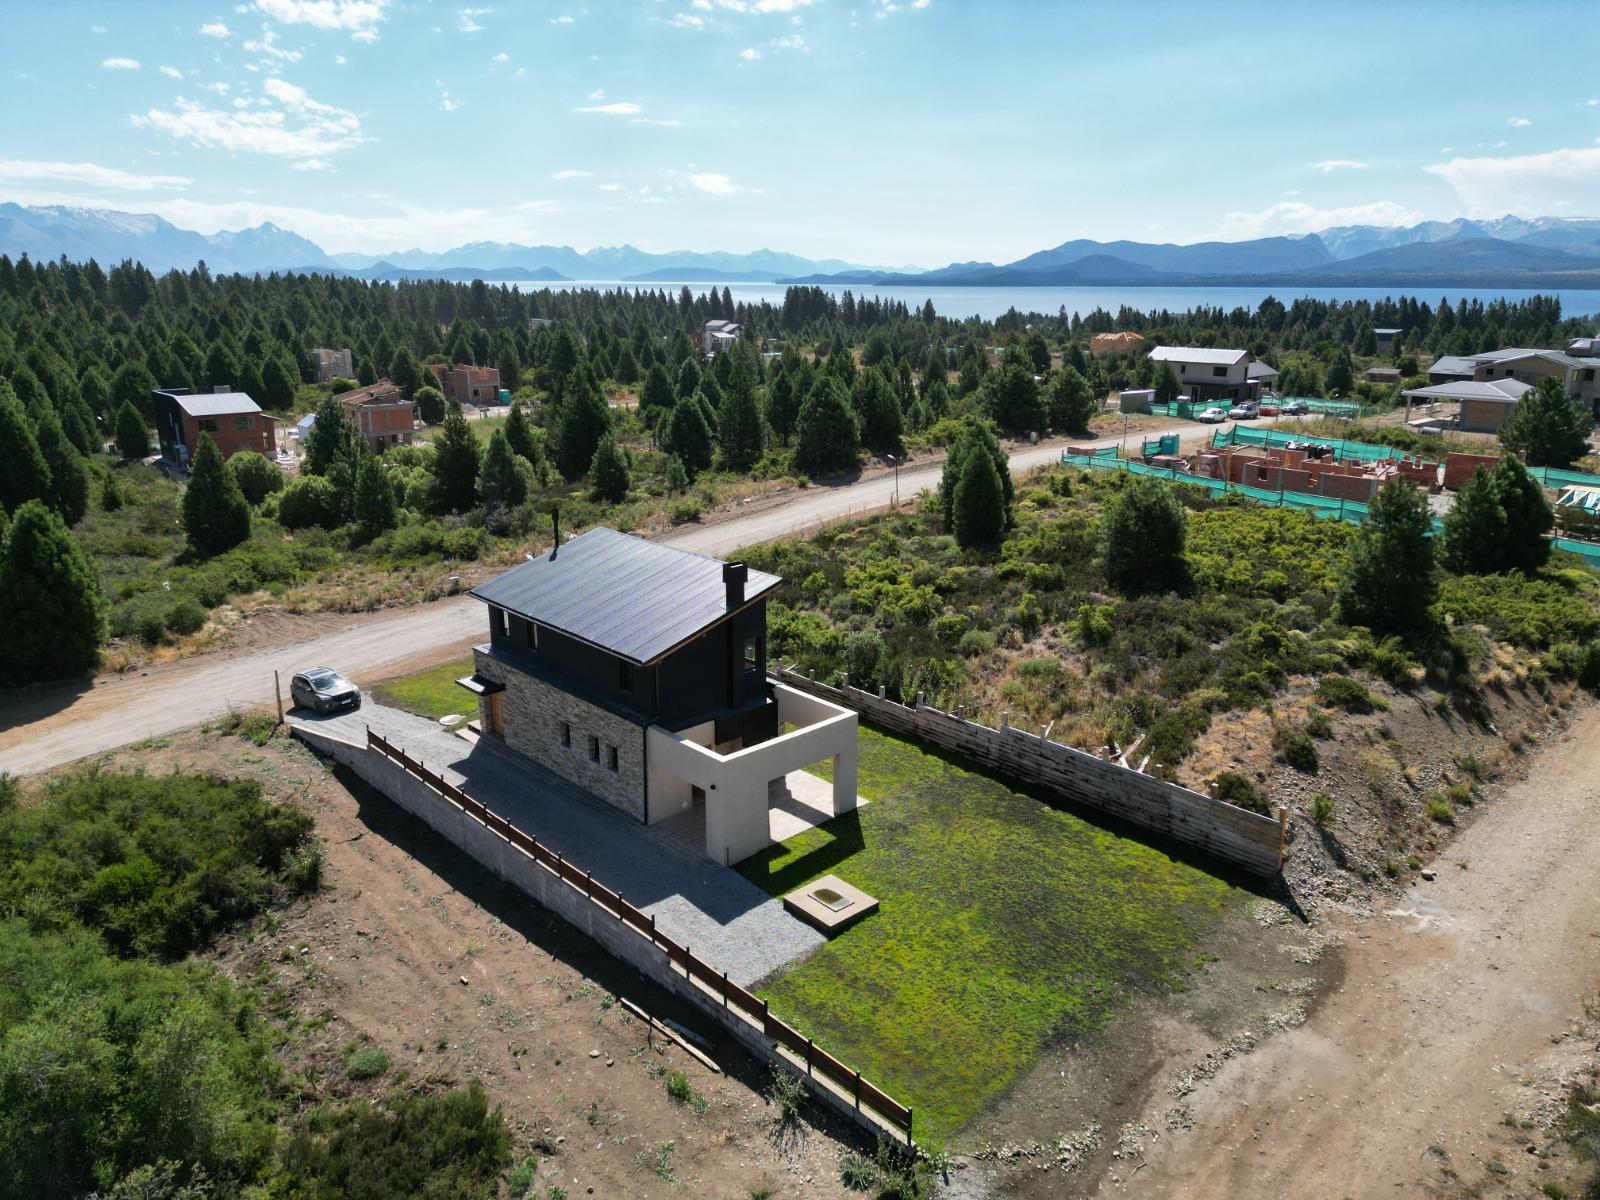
(1458, 468)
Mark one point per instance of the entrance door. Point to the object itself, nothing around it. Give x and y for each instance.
(697, 797)
(496, 725)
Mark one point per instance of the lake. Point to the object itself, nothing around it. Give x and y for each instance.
(989, 303)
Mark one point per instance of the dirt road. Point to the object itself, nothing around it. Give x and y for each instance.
(45, 728)
(1450, 1007)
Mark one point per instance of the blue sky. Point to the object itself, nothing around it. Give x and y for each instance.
(917, 131)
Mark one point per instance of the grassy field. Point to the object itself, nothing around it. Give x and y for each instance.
(1004, 924)
(432, 694)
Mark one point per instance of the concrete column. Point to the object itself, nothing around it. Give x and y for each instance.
(844, 780)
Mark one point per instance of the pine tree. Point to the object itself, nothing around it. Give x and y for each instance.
(333, 440)
(455, 463)
(374, 502)
(26, 475)
(1473, 541)
(133, 434)
(627, 368)
(1528, 515)
(609, 473)
(584, 419)
(689, 438)
(528, 445)
(430, 403)
(1388, 583)
(739, 425)
(688, 379)
(1142, 536)
(657, 394)
(69, 474)
(1166, 384)
(825, 431)
(1549, 426)
(878, 411)
(1010, 396)
(980, 512)
(132, 384)
(976, 437)
(677, 478)
(52, 607)
(277, 384)
(1069, 401)
(783, 404)
(216, 516)
(405, 374)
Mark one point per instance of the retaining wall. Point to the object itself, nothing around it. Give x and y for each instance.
(1235, 835)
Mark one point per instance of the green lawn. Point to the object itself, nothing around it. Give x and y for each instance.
(1004, 924)
(432, 694)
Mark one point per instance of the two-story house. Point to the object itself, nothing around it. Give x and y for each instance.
(1206, 374)
(231, 419)
(1487, 386)
(466, 384)
(381, 413)
(717, 336)
(638, 672)
(333, 364)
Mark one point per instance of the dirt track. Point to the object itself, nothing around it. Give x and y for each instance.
(1452, 1008)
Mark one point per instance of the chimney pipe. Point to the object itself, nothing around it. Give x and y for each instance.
(555, 530)
(733, 577)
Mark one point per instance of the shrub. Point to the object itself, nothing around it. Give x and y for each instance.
(309, 500)
(1392, 661)
(975, 642)
(1234, 788)
(1322, 808)
(257, 478)
(1296, 748)
(367, 1063)
(1340, 691)
(187, 615)
(520, 1178)
(863, 651)
(1439, 810)
(786, 1093)
(1142, 536)
(678, 1087)
(857, 1172)
(1318, 725)
(1093, 625)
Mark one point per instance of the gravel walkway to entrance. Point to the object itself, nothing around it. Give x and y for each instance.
(714, 911)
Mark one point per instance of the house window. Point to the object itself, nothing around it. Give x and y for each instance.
(209, 425)
(625, 676)
(751, 652)
(245, 422)
(530, 635)
(1219, 371)
(611, 757)
(566, 734)
(594, 748)
(497, 624)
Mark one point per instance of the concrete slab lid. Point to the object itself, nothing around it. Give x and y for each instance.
(830, 904)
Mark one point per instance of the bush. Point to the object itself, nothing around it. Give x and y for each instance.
(1234, 788)
(975, 642)
(1295, 748)
(787, 1094)
(857, 1172)
(678, 1087)
(521, 1176)
(1439, 810)
(1322, 808)
(1142, 536)
(310, 501)
(863, 650)
(257, 478)
(368, 1063)
(1340, 691)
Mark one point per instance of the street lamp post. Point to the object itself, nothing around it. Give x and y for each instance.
(895, 462)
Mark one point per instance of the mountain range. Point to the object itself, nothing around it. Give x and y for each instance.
(1505, 252)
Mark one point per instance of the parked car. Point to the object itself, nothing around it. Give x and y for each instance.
(1269, 410)
(1244, 411)
(324, 691)
(1212, 416)
(1293, 408)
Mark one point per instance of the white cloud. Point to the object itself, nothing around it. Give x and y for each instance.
(269, 45)
(360, 18)
(664, 122)
(617, 108)
(172, 72)
(569, 173)
(14, 170)
(752, 6)
(1329, 165)
(536, 206)
(750, 54)
(687, 21)
(790, 41)
(1592, 103)
(215, 29)
(340, 59)
(1294, 216)
(446, 104)
(598, 94)
(312, 164)
(1556, 182)
(466, 19)
(712, 183)
(561, 20)
(501, 57)
(218, 87)
(1519, 122)
(610, 187)
(97, 29)
(120, 64)
(302, 128)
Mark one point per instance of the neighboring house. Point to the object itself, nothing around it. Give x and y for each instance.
(1382, 375)
(468, 384)
(1116, 343)
(718, 336)
(381, 413)
(231, 419)
(1485, 404)
(1450, 368)
(1578, 373)
(1206, 374)
(1263, 376)
(302, 427)
(638, 672)
(333, 364)
(1386, 339)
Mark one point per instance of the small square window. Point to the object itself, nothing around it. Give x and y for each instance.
(594, 748)
(611, 756)
(625, 676)
(244, 422)
(566, 734)
(751, 652)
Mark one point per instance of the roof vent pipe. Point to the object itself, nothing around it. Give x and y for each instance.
(733, 577)
(555, 530)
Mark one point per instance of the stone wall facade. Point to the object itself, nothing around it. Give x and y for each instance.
(600, 752)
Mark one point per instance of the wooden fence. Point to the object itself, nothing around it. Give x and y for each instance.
(1235, 835)
(737, 1002)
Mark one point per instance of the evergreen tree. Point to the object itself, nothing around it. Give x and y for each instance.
(584, 419)
(1142, 537)
(334, 440)
(132, 384)
(657, 394)
(375, 502)
(110, 494)
(688, 379)
(257, 478)
(1473, 541)
(52, 607)
(1528, 515)
(26, 475)
(1341, 374)
(455, 463)
(689, 437)
(430, 403)
(405, 374)
(277, 384)
(216, 516)
(1010, 396)
(1069, 402)
(783, 404)
(825, 431)
(976, 437)
(980, 508)
(677, 477)
(133, 434)
(739, 425)
(878, 412)
(609, 473)
(69, 474)
(1551, 427)
(1388, 583)
(528, 446)
(503, 482)
(627, 368)
(1166, 384)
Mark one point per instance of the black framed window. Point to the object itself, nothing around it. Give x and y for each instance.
(625, 675)
(611, 756)
(531, 635)
(594, 748)
(566, 734)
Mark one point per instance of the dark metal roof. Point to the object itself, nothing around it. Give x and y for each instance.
(632, 598)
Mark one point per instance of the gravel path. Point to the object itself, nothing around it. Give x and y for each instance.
(714, 911)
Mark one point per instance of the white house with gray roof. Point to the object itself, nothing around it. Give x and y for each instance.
(1484, 384)
(1205, 373)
